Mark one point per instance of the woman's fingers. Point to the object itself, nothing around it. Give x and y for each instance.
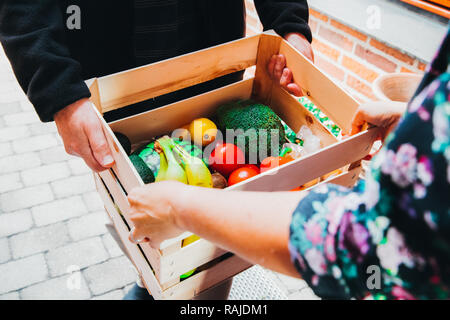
(357, 122)
(136, 236)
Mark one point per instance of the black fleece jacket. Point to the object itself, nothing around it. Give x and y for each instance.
(51, 62)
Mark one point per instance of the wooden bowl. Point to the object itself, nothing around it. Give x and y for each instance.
(396, 86)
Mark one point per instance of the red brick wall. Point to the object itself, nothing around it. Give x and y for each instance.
(350, 57)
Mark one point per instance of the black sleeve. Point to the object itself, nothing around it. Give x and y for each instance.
(284, 16)
(33, 37)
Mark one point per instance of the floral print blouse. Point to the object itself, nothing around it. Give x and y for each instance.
(389, 237)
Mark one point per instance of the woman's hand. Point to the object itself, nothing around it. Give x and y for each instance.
(383, 114)
(153, 212)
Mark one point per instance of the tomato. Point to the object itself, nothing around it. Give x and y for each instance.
(273, 162)
(226, 158)
(243, 173)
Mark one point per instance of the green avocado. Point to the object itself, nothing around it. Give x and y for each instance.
(143, 170)
(124, 141)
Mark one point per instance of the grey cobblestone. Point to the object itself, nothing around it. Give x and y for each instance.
(8, 108)
(111, 246)
(13, 133)
(81, 254)
(39, 240)
(87, 226)
(52, 155)
(112, 274)
(73, 186)
(19, 274)
(58, 210)
(10, 296)
(70, 287)
(19, 119)
(78, 166)
(25, 198)
(113, 295)
(19, 162)
(93, 201)
(35, 143)
(12, 223)
(10, 182)
(42, 128)
(44, 174)
(5, 149)
(5, 253)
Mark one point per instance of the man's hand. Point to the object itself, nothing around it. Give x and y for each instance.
(277, 65)
(82, 133)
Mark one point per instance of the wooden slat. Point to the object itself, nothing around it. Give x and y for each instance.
(188, 258)
(95, 93)
(163, 120)
(123, 168)
(269, 45)
(156, 79)
(325, 93)
(296, 115)
(116, 191)
(138, 260)
(207, 279)
(305, 169)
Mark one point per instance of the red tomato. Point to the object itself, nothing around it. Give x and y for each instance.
(273, 162)
(226, 158)
(243, 173)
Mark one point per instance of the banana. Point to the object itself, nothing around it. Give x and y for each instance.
(196, 171)
(173, 171)
(162, 167)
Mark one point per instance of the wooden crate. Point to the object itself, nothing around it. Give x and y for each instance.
(161, 268)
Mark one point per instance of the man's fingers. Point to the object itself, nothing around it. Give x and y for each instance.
(286, 77)
(295, 89)
(89, 159)
(279, 66)
(99, 145)
(271, 66)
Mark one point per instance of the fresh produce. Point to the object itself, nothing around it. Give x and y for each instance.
(197, 172)
(311, 143)
(124, 142)
(225, 158)
(257, 121)
(322, 117)
(219, 181)
(203, 131)
(273, 162)
(183, 133)
(246, 172)
(143, 170)
(148, 153)
(169, 169)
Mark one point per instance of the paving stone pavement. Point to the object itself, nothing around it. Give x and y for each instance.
(53, 242)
